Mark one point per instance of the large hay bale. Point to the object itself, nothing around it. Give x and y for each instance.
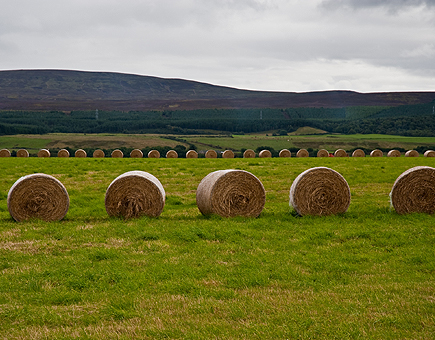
(302, 153)
(429, 153)
(249, 154)
(63, 153)
(322, 153)
(80, 153)
(172, 154)
(211, 154)
(22, 153)
(192, 154)
(358, 153)
(228, 154)
(320, 191)
(136, 153)
(412, 153)
(154, 154)
(43, 153)
(393, 153)
(231, 193)
(414, 191)
(98, 154)
(135, 194)
(285, 153)
(5, 153)
(38, 196)
(265, 154)
(117, 154)
(376, 153)
(340, 153)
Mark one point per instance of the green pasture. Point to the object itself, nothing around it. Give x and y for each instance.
(366, 274)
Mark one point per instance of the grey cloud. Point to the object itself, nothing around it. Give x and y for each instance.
(391, 5)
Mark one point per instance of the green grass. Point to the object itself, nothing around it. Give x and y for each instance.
(366, 274)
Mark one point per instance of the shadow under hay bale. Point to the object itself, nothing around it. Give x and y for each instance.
(117, 154)
(63, 153)
(43, 153)
(80, 153)
(429, 153)
(322, 153)
(135, 194)
(211, 154)
(230, 193)
(154, 154)
(249, 154)
(376, 153)
(340, 153)
(5, 153)
(172, 154)
(284, 153)
(192, 154)
(320, 191)
(136, 153)
(302, 153)
(412, 153)
(23, 153)
(394, 153)
(228, 154)
(414, 191)
(98, 154)
(358, 153)
(265, 154)
(38, 196)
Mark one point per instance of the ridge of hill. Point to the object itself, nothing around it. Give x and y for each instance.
(67, 90)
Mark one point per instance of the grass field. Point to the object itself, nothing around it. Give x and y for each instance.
(367, 274)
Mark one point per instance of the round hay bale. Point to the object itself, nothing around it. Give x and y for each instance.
(265, 154)
(322, 153)
(5, 153)
(80, 153)
(249, 154)
(414, 191)
(358, 153)
(320, 191)
(38, 196)
(22, 153)
(285, 153)
(43, 153)
(231, 193)
(192, 154)
(154, 154)
(136, 153)
(429, 153)
(172, 154)
(228, 154)
(412, 153)
(376, 153)
(340, 153)
(63, 153)
(393, 153)
(211, 154)
(302, 153)
(98, 154)
(135, 194)
(117, 154)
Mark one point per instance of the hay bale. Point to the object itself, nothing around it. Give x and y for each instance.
(265, 154)
(231, 193)
(98, 154)
(22, 153)
(414, 191)
(285, 153)
(340, 153)
(172, 154)
(249, 154)
(80, 153)
(63, 153)
(412, 153)
(302, 153)
(429, 153)
(136, 153)
(320, 191)
(135, 194)
(38, 196)
(322, 153)
(192, 154)
(5, 153)
(117, 154)
(153, 154)
(393, 153)
(228, 154)
(376, 153)
(211, 154)
(43, 153)
(358, 153)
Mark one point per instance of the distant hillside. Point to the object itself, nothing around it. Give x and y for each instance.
(65, 90)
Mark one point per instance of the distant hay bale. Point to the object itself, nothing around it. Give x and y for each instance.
(249, 154)
(136, 153)
(192, 154)
(38, 196)
(211, 154)
(320, 191)
(376, 153)
(154, 154)
(265, 154)
(5, 153)
(414, 191)
(412, 153)
(393, 153)
(80, 153)
(63, 153)
(22, 153)
(231, 193)
(340, 153)
(135, 194)
(429, 153)
(117, 154)
(228, 154)
(322, 153)
(172, 154)
(285, 153)
(302, 153)
(358, 153)
(98, 154)
(43, 153)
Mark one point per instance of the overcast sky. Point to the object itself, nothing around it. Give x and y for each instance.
(277, 45)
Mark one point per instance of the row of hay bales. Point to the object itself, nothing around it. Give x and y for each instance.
(228, 193)
(137, 153)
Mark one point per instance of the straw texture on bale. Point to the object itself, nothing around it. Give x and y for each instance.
(154, 154)
(5, 153)
(322, 153)
(192, 154)
(340, 153)
(429, 153)
(211, 154)
(22, 153)
(172, 154)
(228, 154)
(376, 153)
(414, 191)
(98, 154)
(411, 153)
(358, 153)
(136, 153)
(393, 153)
(63, 153)
(320, 191)
(135, 194)
(302, 153)
(38, 196)
(231, 193)
(43, 153)
(265, 154)
(117, 154)
(249, 154)
(80, 153)
(285, 153)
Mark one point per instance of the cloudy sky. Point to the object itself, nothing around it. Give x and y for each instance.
(277, 45)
